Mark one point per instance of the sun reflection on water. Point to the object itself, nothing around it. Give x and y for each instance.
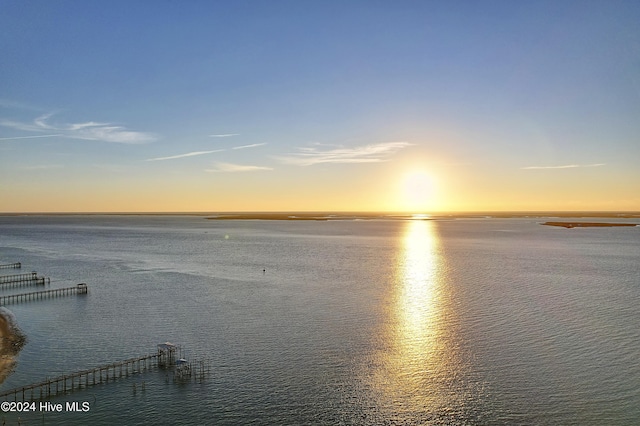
(418, 276)
(417, 370)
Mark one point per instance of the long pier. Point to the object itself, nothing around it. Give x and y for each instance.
(165, 358)
(16, 265)
(23, 297)
(85, 378)
(17, 278)
(23, 280)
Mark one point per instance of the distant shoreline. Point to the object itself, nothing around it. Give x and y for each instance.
(587, 224)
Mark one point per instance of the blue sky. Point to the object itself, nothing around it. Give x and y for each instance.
(306, 105)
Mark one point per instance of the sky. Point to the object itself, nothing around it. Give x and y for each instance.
(395, 106)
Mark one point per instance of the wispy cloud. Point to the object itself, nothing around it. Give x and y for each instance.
(232, 168)
(374, 153)
(249, 146)
(188, 154)
(106, 132)
(195, 153)
(30, 137)
(566, 166)
(224, 135)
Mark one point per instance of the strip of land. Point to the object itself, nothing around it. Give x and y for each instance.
(587, 224)
(297, 216)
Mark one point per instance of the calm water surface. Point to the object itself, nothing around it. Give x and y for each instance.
(486, 321)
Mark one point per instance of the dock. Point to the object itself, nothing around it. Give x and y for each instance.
(84, 378)
(16, 265)
(34, 295)
(18, 278)
(23, 280)
(167, 357)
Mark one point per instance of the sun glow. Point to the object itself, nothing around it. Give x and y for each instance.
(418, 191)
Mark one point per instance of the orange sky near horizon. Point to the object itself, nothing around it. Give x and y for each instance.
(406, 187)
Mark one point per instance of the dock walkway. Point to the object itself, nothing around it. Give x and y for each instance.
(17, 278)
(84, 378)
(35, 280)
(23, 297)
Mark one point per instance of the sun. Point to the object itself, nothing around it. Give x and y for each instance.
(418, 191)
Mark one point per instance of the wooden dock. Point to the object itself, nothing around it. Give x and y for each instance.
(24, 297)
(33, 279)
(16, 278)
(167, 357)
(84, 378)
(16, 265)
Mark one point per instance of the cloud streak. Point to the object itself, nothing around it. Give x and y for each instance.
(374, 153)
(249, 146)
(224, 135)
(30, 137)
(567, 166)
(234, 168)
(91, 130)
(188, 154)
(196, 153)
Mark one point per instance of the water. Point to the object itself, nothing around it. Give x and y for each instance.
(486, 321)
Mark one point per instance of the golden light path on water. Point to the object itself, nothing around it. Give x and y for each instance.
(418, 370)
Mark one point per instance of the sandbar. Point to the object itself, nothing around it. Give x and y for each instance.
(266, 216)
(283, 216)
(587, 224)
